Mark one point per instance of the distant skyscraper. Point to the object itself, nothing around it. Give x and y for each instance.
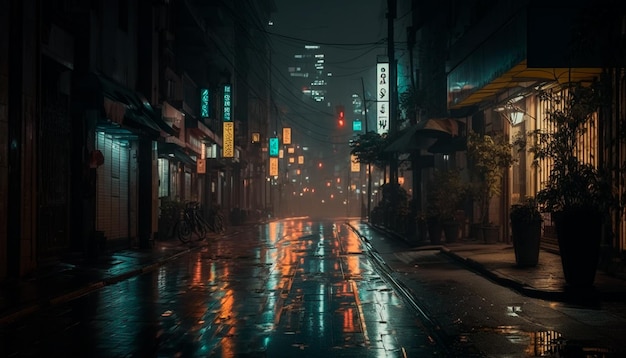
(309, 73)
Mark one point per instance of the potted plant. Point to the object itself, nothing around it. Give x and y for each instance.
(445, 195)
(392, 216)
(526, 231)
(421, 224)
(489, 156)
(577, 194)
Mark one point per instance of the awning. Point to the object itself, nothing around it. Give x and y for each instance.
(521, 76)
(173, 151)
(424, 134)
(120, 104)
(448, 145)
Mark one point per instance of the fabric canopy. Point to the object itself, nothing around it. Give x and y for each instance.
(424, 134)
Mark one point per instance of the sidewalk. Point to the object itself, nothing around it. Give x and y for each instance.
(545, 281)
(497, 262)
(71, 278)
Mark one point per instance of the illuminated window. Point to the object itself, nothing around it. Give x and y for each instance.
(163, 166)
(587, 152)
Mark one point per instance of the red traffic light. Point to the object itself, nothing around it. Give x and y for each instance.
(340, 116)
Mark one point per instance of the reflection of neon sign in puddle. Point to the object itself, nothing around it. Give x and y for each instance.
(547, 343)
(538, 344)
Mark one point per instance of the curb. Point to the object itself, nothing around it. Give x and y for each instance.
(480, 269)
(516, 285)
(405, 292)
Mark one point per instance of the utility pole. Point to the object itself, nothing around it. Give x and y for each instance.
(369, 168)
(393, 99)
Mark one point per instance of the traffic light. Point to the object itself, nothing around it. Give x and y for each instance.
(341, 120)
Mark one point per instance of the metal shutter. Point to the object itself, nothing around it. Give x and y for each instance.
(113, 188)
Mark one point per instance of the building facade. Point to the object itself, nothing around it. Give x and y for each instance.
(110, 108)
(499, 56)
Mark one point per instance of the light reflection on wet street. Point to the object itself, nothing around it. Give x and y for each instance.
(293, 288)
(480, 318)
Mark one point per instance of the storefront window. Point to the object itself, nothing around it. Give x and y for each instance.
(164, 177)
(187, 186)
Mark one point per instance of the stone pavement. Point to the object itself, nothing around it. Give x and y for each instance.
(73, 277)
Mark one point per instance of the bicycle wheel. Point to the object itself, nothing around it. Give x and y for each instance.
(184, 231)
(202, 222)
(219, 224)
(200, 230)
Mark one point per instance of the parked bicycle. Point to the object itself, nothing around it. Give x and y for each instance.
(191, 222)
(216, 220)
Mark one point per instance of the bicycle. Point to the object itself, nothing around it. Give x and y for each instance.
(191, 222)
(216, 220)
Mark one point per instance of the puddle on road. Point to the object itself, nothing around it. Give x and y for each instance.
(549, 343)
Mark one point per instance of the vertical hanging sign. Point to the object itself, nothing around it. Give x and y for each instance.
(273, 167)
(201, 162)
(204, 102)
(228, 150)
(286, 135)
(382, 97)
(355, 165)
(273, 147)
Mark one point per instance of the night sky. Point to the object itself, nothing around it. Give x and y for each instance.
(332, 21)
(352, 34)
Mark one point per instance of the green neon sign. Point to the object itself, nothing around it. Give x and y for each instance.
(273, 147)
(227, 103)
(204, 102)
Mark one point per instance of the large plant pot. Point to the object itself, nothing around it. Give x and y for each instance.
(491, 234)
(476, 231)
(451, 231)
(434, 231)
(422, 231)
(579, 234)
(526, 240)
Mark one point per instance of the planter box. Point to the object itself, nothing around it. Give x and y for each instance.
(451, 231)
(434, 231)
(579, 233)
(526, 240)
(491, 234)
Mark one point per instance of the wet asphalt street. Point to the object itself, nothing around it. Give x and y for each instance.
(285, 289)
(307, 288)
